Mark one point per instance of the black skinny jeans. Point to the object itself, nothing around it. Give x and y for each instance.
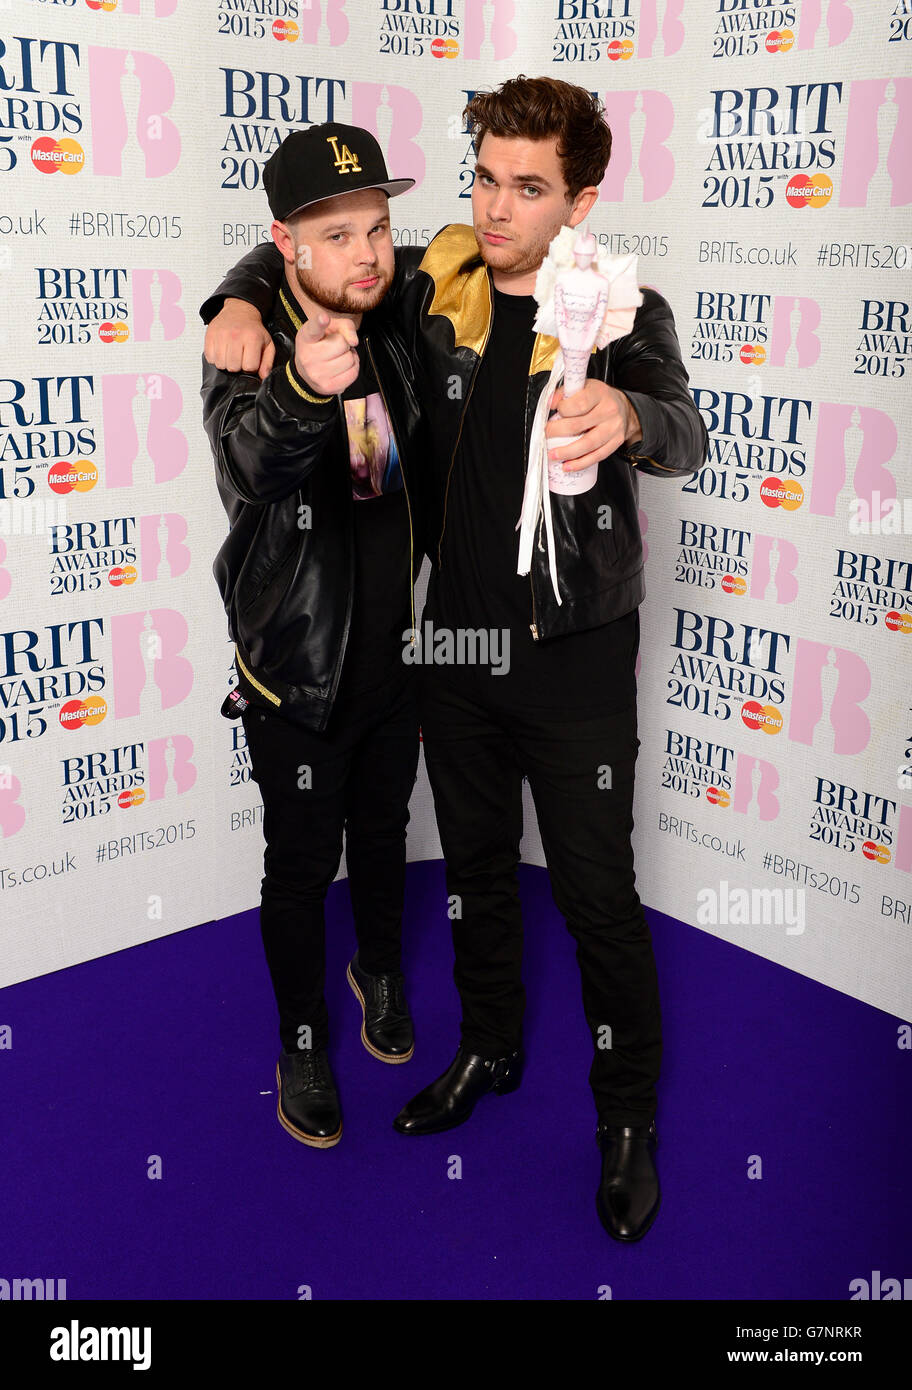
(476, 752)
(362, 770)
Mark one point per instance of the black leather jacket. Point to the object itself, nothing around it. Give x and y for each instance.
(286, 568)
(443, 303)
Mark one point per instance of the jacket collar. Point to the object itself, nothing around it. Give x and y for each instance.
(463, 294)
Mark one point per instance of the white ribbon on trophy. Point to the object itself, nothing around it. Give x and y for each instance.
(583, 307)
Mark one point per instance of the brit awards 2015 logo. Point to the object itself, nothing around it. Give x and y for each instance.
(589, 31)
(873, 590)
(745, 28)
(130, 93)
(853, 820)
(40, 77)
(143, 441)
(45, 423)
(721, 776)
(758, 440)
(884, 346)
(641, 125)
(281, 21)
(753, 328)
(117, 552)
(764, 137)
(723, 670)
(57, 668)
(736, 562)
(80, 305)
(124, 777)
(419, 28)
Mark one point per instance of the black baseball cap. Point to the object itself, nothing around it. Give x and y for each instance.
(322, 162)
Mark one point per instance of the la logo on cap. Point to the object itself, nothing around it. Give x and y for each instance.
(345, 161)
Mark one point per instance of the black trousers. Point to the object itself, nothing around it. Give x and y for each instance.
(356, 777)
(476, 752)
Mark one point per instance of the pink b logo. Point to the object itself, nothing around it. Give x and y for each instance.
(794, 342)
(672, 28)
(156, 306)
(829, 694)
(12, 815)
(501, 41)
(641, 123)
(756, 783)
(129, 92)
(336, 22)
(142, 441)
(396, 123)
(150, 675)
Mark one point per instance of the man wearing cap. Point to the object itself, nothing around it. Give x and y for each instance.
(316, 469)
(564, 716)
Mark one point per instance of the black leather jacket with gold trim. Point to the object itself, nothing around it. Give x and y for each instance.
(286, 569)
(442, 303)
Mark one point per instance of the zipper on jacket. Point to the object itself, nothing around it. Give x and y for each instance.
(465, 407)
(404, 489)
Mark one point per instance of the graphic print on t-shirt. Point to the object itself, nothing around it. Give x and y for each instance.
(373, 456)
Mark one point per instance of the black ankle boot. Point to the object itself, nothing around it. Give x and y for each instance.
(450, 1100)
(628, 1197)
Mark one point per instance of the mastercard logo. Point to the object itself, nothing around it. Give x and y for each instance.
(285, 30)
(779, 40)
(75, 713)
(125, 574)
(619, 50)
(734, 584)
(106, 5)
(809, 190)
(50, 155)
(133, 796)
(765, 717)
(72, 477)
(717, 797)
(872, 849)
(898, 622)
(752, 354)
(776, 493)
(113, 332)
(445, 48)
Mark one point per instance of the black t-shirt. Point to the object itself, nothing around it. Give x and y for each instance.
(477, 585)
(381, 603)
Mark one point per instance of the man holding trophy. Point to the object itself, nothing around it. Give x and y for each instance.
(534, 530)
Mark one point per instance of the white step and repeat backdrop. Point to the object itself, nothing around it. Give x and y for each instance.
(761, 172)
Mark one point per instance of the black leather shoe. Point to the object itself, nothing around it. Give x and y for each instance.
(308, 1103)
(386, 1028)
(450, 1100)
(628, 1197)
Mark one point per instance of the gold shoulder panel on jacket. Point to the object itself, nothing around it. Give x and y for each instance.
(461, 291)
(543, 353)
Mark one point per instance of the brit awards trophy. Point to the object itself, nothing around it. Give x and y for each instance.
(585, 306)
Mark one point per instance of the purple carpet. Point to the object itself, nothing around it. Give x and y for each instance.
(166, 1049)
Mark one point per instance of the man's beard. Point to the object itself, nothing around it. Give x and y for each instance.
(349, 300)
(510, 258)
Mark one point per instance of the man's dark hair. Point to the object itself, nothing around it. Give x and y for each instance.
(537, 108)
